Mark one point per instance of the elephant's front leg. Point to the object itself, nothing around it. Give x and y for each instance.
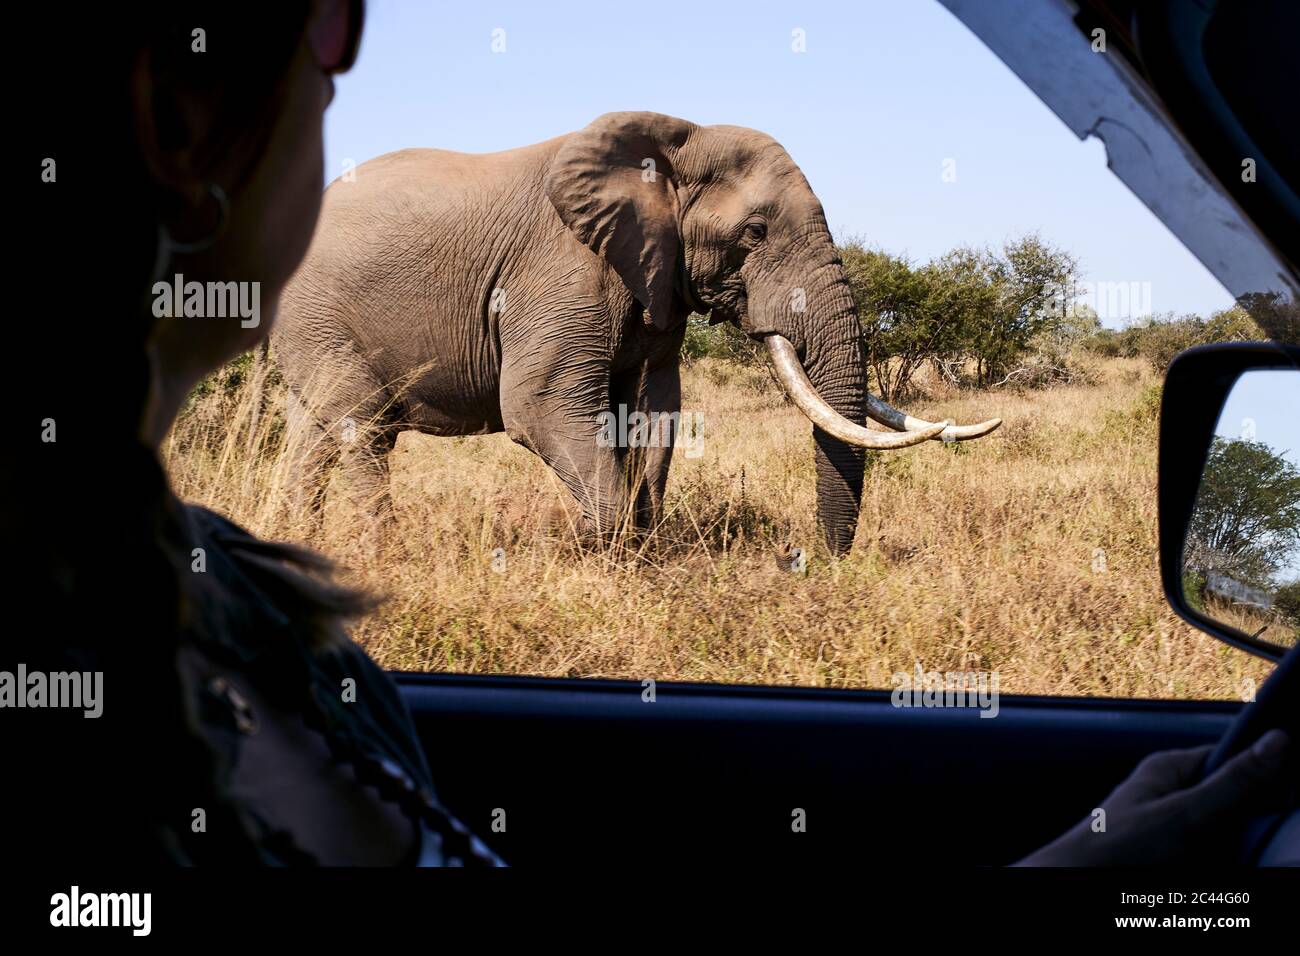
(559, 412)
(657, 395)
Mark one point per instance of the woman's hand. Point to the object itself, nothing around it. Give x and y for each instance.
(1163, 813)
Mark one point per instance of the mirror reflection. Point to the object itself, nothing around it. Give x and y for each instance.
(1241, 558)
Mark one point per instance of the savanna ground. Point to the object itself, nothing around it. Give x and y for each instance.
(1031, 552)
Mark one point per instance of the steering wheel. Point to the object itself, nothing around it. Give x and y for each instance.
(1273, 840)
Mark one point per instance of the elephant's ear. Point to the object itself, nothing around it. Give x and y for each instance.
(613, 183)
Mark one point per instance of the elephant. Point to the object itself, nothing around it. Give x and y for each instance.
(531, 290)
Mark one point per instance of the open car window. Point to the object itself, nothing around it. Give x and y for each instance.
(997, 269)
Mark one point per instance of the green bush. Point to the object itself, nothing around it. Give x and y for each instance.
(1194, 590)
(721, 341)
(1287, 603)
(1158, 339)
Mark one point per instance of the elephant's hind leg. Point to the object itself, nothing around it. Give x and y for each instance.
(363, 460)
(319, 442)
(311, 452)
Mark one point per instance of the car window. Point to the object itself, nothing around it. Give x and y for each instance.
(996, 268)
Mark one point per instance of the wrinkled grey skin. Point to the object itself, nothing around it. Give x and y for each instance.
(602, 242)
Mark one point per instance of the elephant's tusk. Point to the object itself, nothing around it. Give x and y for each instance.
(795, 382)
(887, 414)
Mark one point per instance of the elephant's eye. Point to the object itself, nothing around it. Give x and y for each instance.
(755, 231)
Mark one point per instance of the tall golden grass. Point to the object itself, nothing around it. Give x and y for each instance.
(1031, 553)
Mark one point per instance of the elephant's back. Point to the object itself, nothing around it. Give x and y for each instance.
(395, 189)
(425, 210)
(418, 177)
(417, 196)
(409, 168)
(403, 259)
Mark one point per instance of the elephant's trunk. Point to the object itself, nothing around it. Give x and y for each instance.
(830, 387)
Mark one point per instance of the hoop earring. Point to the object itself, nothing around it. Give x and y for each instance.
(162, 256)
(199, 245)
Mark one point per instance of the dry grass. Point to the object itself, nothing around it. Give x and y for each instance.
(1030, 553)
(1249, 620)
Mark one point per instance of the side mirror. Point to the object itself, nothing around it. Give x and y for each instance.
(1230, 493)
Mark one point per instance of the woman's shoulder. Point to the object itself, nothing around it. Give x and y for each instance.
(288, 586)
(210, 522)
(216, 528)
(278, 609)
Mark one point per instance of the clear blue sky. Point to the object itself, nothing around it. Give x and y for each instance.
(887, 90)
(1263, 406)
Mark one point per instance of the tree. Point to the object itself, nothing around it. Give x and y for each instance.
(908, 315)
(968, 306)
(1246, 523)
(1275, 313)
(1031, 289)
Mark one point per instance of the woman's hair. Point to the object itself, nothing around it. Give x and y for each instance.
(108, 538)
